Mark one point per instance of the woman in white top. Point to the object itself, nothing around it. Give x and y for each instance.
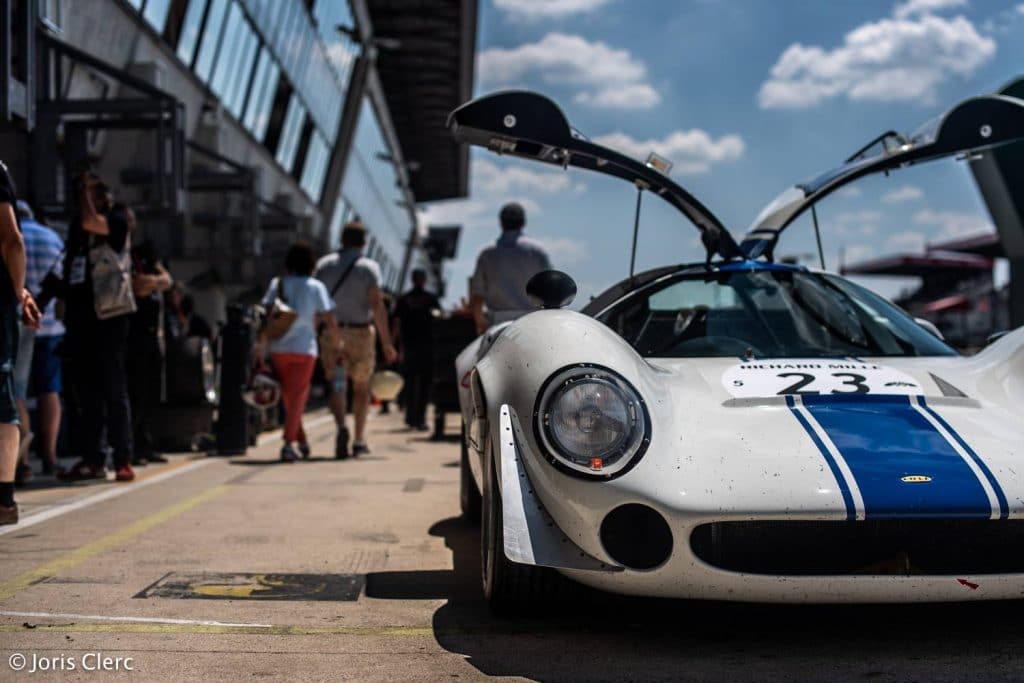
(294, 355)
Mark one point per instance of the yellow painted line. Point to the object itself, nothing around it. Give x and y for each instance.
(58, 509)
(210, 628)
(101, 545)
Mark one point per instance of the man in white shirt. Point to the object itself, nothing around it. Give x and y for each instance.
(353, 281)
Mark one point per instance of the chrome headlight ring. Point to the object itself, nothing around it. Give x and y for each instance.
(591, 422)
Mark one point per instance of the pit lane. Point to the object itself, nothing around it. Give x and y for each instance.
(234, 543)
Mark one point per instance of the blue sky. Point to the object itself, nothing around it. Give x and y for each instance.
(746, 97)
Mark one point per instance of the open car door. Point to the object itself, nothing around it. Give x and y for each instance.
(529, 125)
(969, 128)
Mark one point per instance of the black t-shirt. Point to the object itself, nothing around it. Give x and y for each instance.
(8, 297)
(414, 311)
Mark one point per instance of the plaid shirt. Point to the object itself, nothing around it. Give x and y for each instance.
(43, 250)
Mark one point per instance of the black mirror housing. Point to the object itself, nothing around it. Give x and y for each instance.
(551, 289)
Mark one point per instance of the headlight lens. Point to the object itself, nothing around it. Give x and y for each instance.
(592, 421)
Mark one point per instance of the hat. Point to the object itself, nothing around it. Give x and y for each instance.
(512, 215)
(385, 385)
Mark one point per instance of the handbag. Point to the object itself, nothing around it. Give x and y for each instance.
(111, 280)
(281, 316)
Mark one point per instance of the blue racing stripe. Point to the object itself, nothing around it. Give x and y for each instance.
(1004, 507)
(844, 488)
(883, 438)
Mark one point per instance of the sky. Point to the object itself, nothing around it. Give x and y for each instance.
(746, 98)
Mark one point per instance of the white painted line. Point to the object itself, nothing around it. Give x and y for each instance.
(143, 620)
(113, 492)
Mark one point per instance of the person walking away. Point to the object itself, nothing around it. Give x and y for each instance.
(99, 304)
(502, 271)
(13, 294)
(146, 346)
(293, 355)
(354, 282)
(44, 251)
(413, 317)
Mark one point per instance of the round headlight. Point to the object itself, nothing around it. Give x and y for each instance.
(592, 421)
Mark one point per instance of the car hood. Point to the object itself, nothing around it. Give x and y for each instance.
(922, 447)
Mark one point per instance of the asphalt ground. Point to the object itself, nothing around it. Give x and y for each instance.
(245, 569)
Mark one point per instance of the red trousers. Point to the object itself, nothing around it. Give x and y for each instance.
(295, 373)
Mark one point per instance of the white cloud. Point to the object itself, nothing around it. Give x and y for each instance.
(907, 193)
(564, 251)
(856, 252)
(532, 10)
(598, 72)
(500, 180)
(692, 151)
(854, 223)
(1020, 8)
(952, 224)
(912, 8)
(890, 60)
(849, 192)
(632, 96)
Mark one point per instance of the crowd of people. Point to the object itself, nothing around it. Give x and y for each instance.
(86, 324)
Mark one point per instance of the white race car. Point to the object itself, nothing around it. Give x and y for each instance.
(740, 429)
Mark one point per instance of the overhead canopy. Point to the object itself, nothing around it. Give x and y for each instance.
(426, 76)
(976, 124)
(531, 126)
(922, 265)
(984, 244)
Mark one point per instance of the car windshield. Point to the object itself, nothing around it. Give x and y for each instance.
(776, 313)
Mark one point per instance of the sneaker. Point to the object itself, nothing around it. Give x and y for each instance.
(157, 457)
(8, 515)
(304, 450)
(139, 461)
(359, 448)
(288, 453)
(341, 445)
(124, 473)
(81, 471)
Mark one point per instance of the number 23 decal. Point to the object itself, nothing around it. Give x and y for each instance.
(850, 379)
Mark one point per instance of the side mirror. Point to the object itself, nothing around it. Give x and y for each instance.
(930, 326)
(551, 289)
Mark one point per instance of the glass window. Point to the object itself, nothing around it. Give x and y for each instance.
(288, 145)
(189, 37)
(302, 148)
(236, 97)
(275, 125)
(230, 49)
(156, 13)
(135, 3)
(315, 167)
(211, 39)
(261, 97)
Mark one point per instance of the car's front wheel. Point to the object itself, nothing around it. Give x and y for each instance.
(509, 587)
(469, 493)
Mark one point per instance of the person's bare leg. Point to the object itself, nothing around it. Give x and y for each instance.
(23, 432)
(336, 402)
(9, 437)
(360, 406)
(49, 409)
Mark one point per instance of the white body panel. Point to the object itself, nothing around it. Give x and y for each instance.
(714, 457)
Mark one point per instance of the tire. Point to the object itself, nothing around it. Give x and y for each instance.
(509, 588)
(469, 493)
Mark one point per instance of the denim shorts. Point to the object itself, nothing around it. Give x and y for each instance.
(23, 361)
(46, 377)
